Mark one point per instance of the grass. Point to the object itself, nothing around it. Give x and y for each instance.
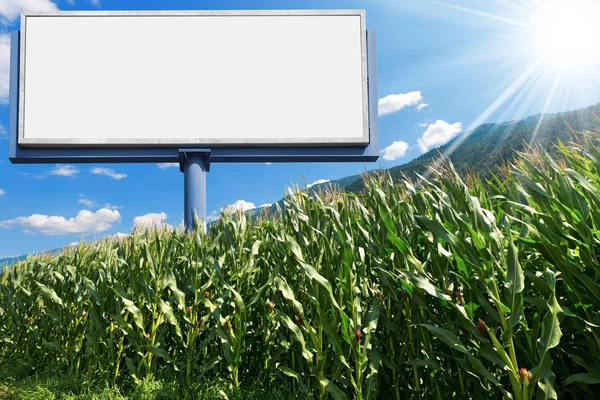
(20, 381)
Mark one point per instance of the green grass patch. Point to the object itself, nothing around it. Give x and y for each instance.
(21, 381)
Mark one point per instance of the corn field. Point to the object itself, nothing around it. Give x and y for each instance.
(446, 288)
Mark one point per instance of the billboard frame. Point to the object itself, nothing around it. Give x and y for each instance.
(162, 154)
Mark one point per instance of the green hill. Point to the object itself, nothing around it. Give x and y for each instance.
(486, 146)
(483, 148)
(5, 262)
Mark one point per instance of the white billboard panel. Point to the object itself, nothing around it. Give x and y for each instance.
(218, 78)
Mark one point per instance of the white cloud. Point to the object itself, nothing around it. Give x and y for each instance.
(396, 102)
(211, 217)
(421, 106)
(166, 165)
(119, 236)
(319, 182)
(240, 205)
(28, 232)
(64, 170)
(150, 220)
(85, 222)
(2, 192)
(424, 124)
(395, 150)
(111, 207)
(95, 3)
(10, 9)
(86, 202)
(2, 130)
(108, 172)
(438, 133)
(268, 163)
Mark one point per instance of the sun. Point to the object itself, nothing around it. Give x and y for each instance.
(548, 50)
(566, 33)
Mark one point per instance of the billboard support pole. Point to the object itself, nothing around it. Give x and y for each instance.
(194, 163)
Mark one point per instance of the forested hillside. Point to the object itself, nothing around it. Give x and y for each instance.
(488, 145)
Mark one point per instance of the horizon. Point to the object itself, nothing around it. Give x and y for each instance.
(443, 70)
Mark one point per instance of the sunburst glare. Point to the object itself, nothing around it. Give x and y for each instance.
(556, 44)
(565, 33)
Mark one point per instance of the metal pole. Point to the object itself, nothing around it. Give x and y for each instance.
(195, 166)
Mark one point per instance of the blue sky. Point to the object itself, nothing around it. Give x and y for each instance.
(443, 68)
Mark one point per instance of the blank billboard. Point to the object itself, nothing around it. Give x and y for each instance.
(211, 78)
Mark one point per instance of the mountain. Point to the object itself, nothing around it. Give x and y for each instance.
(5, 262)
(488, 145)
(483, 148)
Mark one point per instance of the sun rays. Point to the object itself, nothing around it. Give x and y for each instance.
(554, 41)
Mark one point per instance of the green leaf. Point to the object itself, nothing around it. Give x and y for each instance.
(546, 388)
(131, 307)
(168, 313)
(132, 369)
(294, 247)
(588, 379)
(447, 337)
(515, 283)
(53, 346)
(333, 336)
(550, 334)
(93, 292)
(424, 284)
(291, 373)
(296, 333)
(371, 379)
(425, 363)
(121, 323)
(158, 352)
(489, 353)
(333, 390)
(371, 321)
(177, 294)
(481, 370)
(288, 293)
(319, 279)
(50, 293)
(437, 229)
(345, 327)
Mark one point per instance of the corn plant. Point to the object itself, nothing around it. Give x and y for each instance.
(439, 288)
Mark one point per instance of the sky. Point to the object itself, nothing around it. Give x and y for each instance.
(444, 67)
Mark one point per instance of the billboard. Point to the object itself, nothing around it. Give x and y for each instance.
(188, 78)
(193, 88)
